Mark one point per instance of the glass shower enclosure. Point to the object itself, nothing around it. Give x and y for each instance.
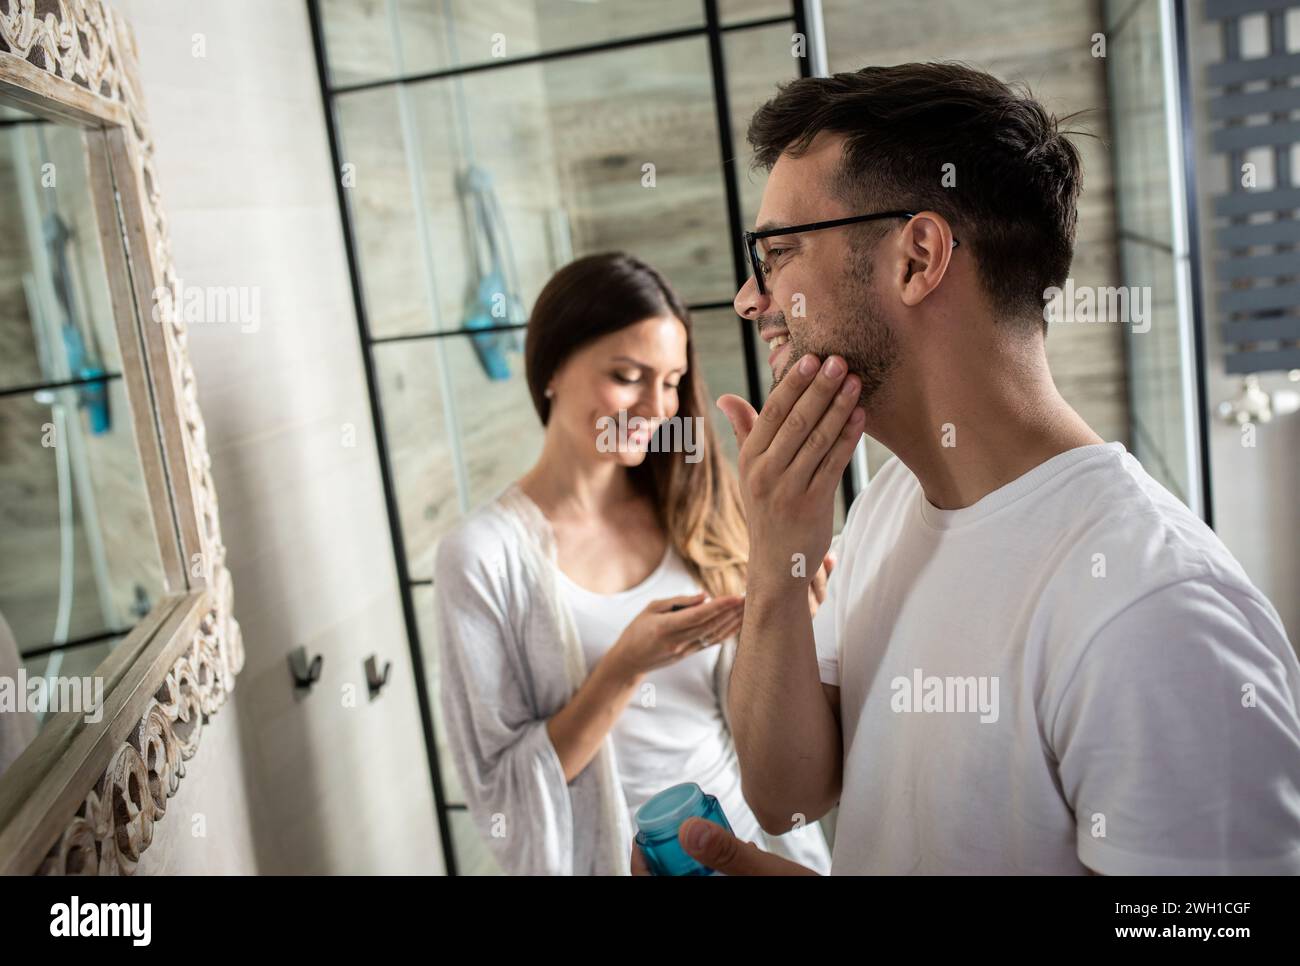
(1146, 62)
(481, 146)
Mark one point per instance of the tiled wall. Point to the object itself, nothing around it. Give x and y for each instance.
(287, 783)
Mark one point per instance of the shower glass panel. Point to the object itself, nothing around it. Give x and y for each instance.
(456, 437)
(755, 60)
(561, 148)
(1155, 257)
(481, 146)
(368, 42)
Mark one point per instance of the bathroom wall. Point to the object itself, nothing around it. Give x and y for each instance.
(285, 783)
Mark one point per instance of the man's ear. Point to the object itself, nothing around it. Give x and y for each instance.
(926, 249)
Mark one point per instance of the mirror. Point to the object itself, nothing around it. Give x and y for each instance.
(113, 580)
(79, 553)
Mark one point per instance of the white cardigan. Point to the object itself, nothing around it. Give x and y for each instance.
(510, 659)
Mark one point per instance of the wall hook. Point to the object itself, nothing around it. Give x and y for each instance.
(374, 679)
(304, 674)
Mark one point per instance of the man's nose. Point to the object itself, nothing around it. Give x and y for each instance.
(750, 303)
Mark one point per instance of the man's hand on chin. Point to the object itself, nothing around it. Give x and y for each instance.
(714, 846)
(792, 458)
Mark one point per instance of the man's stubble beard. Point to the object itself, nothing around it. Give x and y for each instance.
(850, 327)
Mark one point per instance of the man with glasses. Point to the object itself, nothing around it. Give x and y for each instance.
(1031, 658)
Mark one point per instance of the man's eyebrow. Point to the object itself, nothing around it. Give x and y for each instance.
(772, 225)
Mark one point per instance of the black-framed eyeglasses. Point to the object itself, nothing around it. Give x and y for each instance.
(760, 268)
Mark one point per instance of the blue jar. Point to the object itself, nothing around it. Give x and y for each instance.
(659, 819)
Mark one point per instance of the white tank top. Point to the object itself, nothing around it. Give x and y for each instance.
(672, 730)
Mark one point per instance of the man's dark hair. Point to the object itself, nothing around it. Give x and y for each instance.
(1017, 175)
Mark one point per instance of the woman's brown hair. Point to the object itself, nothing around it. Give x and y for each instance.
(698, 504)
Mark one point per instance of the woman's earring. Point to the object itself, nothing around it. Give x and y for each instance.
(549, 392)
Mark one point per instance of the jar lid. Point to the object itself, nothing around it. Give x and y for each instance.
(670, 807)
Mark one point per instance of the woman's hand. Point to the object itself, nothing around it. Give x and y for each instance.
(660, 636)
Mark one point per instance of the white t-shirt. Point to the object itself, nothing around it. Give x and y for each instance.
(1115, 693)
(673, 730)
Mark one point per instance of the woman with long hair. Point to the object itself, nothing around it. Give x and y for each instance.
(580, 612)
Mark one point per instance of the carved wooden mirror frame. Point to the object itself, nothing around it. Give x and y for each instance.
(83, 798)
